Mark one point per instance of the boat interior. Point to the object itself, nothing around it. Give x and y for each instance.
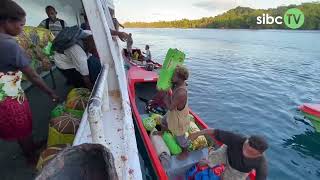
(139, 61)
(177, 168)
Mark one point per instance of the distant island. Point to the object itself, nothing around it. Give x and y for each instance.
(240, 18)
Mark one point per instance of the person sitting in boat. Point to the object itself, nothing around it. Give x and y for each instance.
(54, 24)
(147, 53)
(176, 119)
(16, 118)
(239, 154)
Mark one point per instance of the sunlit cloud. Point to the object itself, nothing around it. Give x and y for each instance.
(216, 5)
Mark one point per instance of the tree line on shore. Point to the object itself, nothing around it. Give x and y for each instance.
(241, 18)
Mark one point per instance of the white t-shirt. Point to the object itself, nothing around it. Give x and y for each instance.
(148, 54)
(73, 57)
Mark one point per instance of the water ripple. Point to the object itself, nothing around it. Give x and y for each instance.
(251, 82)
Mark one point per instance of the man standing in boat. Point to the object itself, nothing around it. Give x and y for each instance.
(176, 120)
(129, 45)
(54, 24)
(239, 154)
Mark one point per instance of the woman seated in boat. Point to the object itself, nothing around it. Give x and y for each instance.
(239, 154)
(176, 120)
(16, 119)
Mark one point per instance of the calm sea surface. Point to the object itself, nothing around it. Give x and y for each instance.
(251, 82)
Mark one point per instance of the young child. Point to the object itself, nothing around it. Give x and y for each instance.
(54, 24)
(16, 120)
(147, 53)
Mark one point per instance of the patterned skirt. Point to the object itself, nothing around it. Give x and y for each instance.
(15, 119)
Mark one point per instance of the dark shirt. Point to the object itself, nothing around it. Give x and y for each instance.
(236, 158)
(12, 56)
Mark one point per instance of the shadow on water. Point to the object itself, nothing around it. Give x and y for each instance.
(307, 143)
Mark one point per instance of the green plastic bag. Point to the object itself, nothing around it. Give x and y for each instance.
(47, 50)
(172, 144)
(157, 118)
(149, 123)
(191, 118)
(75, 113)
(57, 111)
(173, 58)
(55, 137)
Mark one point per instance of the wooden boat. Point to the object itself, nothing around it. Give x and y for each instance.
(312, 112)
(142, 87)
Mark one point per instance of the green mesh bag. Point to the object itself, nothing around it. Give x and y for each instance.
(173, 58)
(149, 123)
(75, 113)
(172, 144)
(157, 118)
(57, 111)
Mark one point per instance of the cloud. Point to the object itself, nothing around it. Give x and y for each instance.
(216, 5)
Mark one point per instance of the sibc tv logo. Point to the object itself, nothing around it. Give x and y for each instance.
(293, 18)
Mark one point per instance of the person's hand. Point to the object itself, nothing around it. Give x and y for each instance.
(54, 97)
(193, 136)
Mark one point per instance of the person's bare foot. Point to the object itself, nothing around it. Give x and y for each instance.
(184, 155)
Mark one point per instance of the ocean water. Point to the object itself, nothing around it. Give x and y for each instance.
(251, 82)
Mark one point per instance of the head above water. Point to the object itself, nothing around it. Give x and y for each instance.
(147, 47)
(51, 12)
(12, 17)
(254, 146)
(181, 74)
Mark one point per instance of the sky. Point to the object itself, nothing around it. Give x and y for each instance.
(156, 10)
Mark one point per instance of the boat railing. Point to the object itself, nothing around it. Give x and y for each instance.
(110, 84)
(98, 103)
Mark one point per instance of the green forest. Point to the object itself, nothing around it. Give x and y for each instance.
(241, 18)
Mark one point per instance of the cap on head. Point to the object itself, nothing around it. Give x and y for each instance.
(258, 142)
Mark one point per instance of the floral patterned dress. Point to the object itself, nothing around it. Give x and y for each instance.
(15, 113)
